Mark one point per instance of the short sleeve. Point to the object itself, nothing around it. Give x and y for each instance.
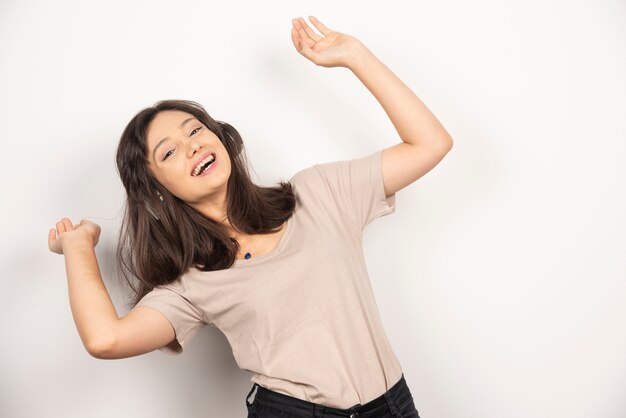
(186, 319)
(357, 187)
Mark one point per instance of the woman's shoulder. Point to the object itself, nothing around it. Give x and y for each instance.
(315, 171)
(302, 175)
(176, 286)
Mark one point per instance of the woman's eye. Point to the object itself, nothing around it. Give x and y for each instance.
(168, 153)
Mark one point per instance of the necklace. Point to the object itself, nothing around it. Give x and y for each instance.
(247, 254)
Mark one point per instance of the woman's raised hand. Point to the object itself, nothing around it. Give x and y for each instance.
(66, 232)
(333, 49)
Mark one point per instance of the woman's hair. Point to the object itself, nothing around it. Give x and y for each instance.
(158, 251)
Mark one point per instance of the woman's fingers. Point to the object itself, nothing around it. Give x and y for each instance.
(60, 227)
(305, 40)
(310, 32)
(298, 34)
(53, 242)
(64, 225)
(319, 26)
(306, 51)
(295, 39)
(51, 238)
(299, 40)
(68, 224)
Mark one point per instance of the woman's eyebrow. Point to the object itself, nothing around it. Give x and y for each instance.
(167, 137)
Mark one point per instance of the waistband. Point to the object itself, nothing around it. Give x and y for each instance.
(390, 401)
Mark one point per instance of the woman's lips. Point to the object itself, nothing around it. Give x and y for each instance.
(204, 157)
(208, 170)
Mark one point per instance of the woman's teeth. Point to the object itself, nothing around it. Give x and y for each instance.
(201, 167)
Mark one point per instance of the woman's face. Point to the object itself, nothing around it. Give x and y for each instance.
(173, 161)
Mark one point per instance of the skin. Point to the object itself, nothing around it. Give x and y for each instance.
(171, 164)
(424, 143)
(208, 194)
(174, 159)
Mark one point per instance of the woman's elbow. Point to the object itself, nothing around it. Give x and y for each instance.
(100, 349)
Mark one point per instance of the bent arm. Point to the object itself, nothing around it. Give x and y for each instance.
(104, 334)
(425, 140)
(91, 305)
(413, 121)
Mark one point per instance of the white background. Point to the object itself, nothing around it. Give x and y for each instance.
(500, 278)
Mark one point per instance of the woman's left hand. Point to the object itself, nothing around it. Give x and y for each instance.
(333, 49)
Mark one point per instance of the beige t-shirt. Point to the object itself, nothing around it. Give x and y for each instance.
(302, 317)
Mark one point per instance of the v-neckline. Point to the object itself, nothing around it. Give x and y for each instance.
(265, 256)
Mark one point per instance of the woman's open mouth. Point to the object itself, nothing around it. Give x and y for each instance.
(205, 166)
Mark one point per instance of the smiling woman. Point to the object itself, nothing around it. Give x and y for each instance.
(179, 157)
(298, 308)
(193, 215)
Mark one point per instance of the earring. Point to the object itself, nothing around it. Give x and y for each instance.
(151, 211)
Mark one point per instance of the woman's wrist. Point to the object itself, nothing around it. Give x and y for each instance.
(77, 240)
(358, 56)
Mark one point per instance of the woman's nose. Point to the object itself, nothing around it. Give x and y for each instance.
(194, 146)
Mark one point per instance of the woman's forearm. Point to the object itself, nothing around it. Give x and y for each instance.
(414, 122)
(91, 305)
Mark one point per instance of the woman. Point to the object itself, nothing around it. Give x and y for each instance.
(279, 270)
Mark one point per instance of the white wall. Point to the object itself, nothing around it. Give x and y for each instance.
(503, 293)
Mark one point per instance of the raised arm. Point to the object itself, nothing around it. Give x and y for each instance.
(103, 333)
(424, 140)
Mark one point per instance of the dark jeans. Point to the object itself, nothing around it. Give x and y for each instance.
(397, 402)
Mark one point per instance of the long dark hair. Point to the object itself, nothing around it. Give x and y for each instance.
(158, 251)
